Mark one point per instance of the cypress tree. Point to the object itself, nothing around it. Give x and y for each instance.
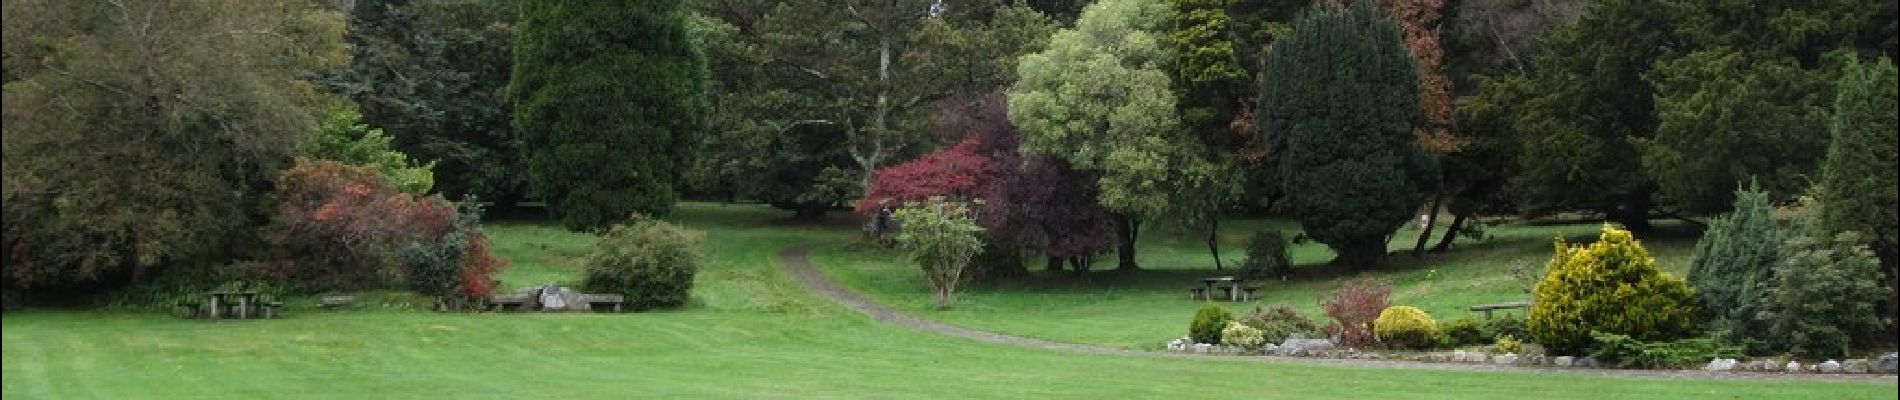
(1858, 178)
(610, 95)
(1338, 112)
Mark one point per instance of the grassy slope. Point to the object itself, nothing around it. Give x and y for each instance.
(748, 334)
(1150, 307)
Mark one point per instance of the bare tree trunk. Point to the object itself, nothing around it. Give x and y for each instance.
(1431, 219)
(1213, 238)
(1451, 232)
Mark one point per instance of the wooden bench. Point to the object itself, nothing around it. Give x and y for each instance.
(612, 301)
(1197, 293)
(500, 302)
(1488, 308)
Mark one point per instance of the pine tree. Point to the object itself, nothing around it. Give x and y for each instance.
(610, 95)
(1735, 259)
(1858, 179)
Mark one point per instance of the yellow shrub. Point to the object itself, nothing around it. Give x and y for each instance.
(1611, 286)
(1406, 327)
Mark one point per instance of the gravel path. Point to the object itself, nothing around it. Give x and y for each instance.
(795, 261)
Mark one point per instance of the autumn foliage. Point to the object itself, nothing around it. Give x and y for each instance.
(340, 226)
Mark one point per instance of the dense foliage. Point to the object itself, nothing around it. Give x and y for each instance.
(434, 75)
(1100, 98)
(1279, 322)
(1208, 323)
(650, 262)
(611, 100)
(1347, 163)
(452, 261)
(141, 137)
(1860, 179)
(1610, 286)
(1822, 300)
(1464, 332)
(1735, 261)
(1353, 307)
(1242, 335)
(1623, 351)
(1406, 327)
(344, 138)
(1267, 255)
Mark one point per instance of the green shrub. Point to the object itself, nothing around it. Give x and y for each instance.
(1464, 332)
(650, 262)
(1735, 259)
(344, 138)
(1612, 286)
(1406, 327)
(1267, 255)
(1508, 344)
(1507, 325)
(1622, 351)
(1238, 334)
(1208, 323)
(1278, 322)
(941, 237)
(1825, 297)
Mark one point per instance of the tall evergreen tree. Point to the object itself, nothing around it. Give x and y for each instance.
(1735, 261)
(610, 96)
(1340, 108)
(1860, 179)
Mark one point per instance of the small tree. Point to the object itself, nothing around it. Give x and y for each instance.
(1859, 181)
(941, 237)
(1735, 259)
(1823, 300)
(1353, 307)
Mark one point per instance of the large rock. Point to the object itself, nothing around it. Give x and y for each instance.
(1587, 362)
(1564, 361)
(1299, 347)
(1887, 364)
(1830, 367)
(1855, 366)
(1793, 367)
(1505, 359)
(1721, 364)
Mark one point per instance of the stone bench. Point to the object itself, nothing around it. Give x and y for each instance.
(612, 301)
(500, 302)
(1488, 308)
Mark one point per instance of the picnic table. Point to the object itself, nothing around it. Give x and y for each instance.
(1235, 292)
(238, 304)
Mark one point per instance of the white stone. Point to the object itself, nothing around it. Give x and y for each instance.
(1564, 361)
(1721, 364)
(1831, 367)
(1202, 348)
(1792, 367)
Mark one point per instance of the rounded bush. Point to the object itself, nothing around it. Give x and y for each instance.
(1506, 325)
(1611, 286)
(1208, 323)
(650, 262)
(1509, 344)
(1406, 327)
(1238, 334)
(1267, 255)
(1279, 322)
(1464, 332)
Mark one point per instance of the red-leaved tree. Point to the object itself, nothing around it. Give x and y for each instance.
(1029, 203)
(340, 226)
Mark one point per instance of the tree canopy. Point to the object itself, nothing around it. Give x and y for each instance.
(610, 114)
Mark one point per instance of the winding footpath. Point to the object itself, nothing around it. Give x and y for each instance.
(795, 261)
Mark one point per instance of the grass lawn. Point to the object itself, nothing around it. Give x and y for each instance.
(749, 333)
(1145, 309)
